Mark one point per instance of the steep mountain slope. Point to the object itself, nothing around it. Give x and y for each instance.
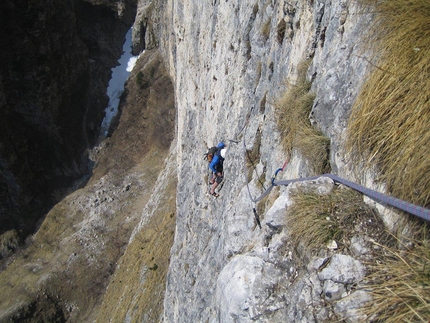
(144, 242)
(62, 275)
(231, 62)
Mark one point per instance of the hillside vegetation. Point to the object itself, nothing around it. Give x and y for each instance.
(389, 124)
(389, 128)
(293, 108)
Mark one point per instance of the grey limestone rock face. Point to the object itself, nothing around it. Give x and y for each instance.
(245, 289)
(333, 291)
(360, 245)
(343, 269)
(348, 307)
(230, 61)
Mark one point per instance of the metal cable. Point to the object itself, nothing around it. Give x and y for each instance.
(381, 198)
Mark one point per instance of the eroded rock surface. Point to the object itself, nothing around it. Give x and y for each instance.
(231, 60)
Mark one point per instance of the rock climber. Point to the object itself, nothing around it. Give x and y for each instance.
(216, 166)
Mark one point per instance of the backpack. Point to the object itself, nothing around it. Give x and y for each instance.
(211, 153)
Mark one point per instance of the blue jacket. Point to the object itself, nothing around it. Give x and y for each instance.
(217, 158)
(215, 161)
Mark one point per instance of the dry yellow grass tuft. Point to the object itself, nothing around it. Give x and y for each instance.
(314, 219)
(390, 123)
(293, 109)
(400, 284)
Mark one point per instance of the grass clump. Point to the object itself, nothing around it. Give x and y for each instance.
(10, 241)
(316, 219)
(293, 109)
(400, 284)
(389, 124)
(142, 81)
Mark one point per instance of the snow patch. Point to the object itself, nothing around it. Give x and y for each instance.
(115, 88)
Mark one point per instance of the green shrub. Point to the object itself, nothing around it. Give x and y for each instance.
(139, 78)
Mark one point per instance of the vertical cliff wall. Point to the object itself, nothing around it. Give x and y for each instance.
(230, 61)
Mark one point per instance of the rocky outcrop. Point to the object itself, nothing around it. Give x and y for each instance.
(148, 17)
(56, 61)
(271, 283)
